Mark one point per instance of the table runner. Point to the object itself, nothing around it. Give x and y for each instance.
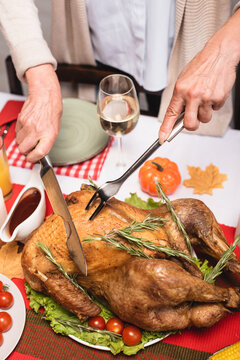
(40, 342)
(90, 168)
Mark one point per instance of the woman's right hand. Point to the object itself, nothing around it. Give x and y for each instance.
(38, 123)
(206, 81)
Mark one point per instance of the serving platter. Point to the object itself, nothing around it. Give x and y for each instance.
(18, 314)
(81, 136)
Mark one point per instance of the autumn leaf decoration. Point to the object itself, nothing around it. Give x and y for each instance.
(10, 260)
(204, 181)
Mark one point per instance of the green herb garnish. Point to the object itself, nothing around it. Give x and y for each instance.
(71, 278)
(211, 275)
(76, 325)
(150, 223)
(175, 217)
(136, 201)
(93, 184)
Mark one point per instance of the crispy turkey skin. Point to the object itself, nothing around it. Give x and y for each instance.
(155, 294)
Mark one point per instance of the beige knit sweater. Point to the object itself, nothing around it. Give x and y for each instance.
(196, 22)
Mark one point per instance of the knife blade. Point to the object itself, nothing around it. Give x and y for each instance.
(60, 208)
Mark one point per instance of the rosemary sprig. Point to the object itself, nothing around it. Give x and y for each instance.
(71, 278)
(211, 274)
(112, 240)
(93, 184)
(218, 268)
(175, 216)
(150, 223)
(79, 327)
(140, 243)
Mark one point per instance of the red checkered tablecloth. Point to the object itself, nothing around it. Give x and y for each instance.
(90, 168)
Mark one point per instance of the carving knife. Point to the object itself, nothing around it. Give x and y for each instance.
(60, 208)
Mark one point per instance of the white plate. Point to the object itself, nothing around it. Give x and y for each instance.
(105, 348)
(18, 314)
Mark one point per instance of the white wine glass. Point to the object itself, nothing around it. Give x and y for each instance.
(117, 108)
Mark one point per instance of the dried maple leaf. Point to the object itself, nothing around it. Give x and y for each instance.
(10, 261)
(204, 181)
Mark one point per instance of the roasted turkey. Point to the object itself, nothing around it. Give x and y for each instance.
(161, 293)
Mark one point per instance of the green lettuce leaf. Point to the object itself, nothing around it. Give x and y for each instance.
(54, 311)
(136, 201)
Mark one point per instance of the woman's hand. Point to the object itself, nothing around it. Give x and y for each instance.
(206, 82)
(39, 120)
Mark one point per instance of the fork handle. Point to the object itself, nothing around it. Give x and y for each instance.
(178, 127)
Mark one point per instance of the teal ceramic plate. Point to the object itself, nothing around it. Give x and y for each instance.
(81, 136)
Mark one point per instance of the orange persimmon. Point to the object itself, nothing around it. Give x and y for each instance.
(161, 170)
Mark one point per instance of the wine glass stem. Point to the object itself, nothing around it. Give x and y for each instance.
(120, 161)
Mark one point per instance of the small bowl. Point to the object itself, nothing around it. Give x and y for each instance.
(20, 231)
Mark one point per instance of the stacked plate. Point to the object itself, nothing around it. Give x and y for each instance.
(81, 136)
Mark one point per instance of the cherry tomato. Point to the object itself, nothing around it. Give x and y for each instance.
(131, 335)
(5, 321)
(116, 325)
(6, 299)
(1, 285)
(1, 338)
(97, 322)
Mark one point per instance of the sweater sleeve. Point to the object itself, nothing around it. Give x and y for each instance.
(20, 25)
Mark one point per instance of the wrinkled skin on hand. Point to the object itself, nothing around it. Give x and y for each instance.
(206, 81)
(39, 120)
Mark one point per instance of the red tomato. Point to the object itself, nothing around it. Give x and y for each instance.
(6, 299)
(131, 335)
(97, 322)
(5, 321)
(1, 285)
(1, 338)
(116, 325)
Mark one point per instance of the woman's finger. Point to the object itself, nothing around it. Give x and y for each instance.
(174, 109)
(191, 121)
(41, 149)
(205, 113)
(28, 143)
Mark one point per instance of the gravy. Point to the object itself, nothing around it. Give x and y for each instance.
(26, 206)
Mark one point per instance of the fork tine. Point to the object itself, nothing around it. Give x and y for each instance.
(92, 200)
(98, 209)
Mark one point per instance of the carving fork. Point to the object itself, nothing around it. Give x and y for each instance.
(110, 188)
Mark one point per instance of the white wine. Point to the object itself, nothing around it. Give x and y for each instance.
(119, 114)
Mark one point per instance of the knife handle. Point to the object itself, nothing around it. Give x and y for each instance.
(45, 164)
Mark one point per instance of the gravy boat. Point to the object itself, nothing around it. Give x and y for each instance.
(35, 219)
